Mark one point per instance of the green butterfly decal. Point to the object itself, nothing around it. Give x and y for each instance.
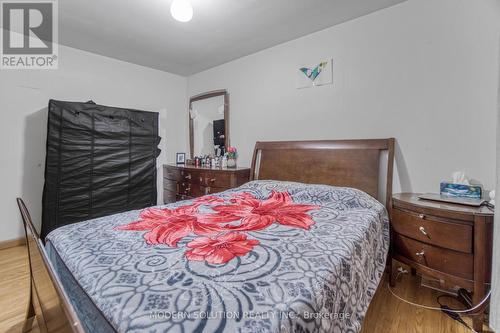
(313, 74)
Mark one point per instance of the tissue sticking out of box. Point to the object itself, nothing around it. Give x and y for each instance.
(460, 187)
(459, 177)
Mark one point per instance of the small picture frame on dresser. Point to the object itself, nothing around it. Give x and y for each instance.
(181, 159)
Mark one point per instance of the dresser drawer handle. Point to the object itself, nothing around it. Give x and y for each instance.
(188, 176)
(421, 216)
(422, 230)
(420, 254)
(213, 180)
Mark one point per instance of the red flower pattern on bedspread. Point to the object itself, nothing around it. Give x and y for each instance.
(209, 199)
(258, 214)
(221, 249)
(169, 226)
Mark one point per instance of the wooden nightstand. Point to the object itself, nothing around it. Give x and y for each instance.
(447, 242)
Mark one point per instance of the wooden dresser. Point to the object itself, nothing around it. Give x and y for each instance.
(447, 242)
(181, 182)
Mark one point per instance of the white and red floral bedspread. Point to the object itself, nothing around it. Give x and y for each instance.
(265, 257)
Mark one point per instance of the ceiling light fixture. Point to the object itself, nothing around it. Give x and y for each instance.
(181, 10)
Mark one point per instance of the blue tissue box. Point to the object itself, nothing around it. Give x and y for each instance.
(461, 191)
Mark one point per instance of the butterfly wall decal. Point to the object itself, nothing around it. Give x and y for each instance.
(314, 73)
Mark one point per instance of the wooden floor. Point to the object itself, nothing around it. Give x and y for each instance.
(14, 288)
(386, 313)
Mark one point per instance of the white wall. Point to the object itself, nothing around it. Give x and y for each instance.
(424, 72)
(81, 76)
(495, 284)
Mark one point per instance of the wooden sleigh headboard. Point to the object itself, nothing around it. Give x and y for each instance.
(349, 163)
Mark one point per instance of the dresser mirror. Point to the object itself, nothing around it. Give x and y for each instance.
(208, 123)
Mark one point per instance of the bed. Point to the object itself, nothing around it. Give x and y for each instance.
(300, 248)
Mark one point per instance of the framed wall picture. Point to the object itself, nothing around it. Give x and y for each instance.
(319, 74)
(181, 158)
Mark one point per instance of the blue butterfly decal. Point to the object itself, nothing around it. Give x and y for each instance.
(313, 74)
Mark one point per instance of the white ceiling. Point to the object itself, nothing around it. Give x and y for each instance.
(144, 33)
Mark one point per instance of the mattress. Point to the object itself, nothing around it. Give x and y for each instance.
(264, 257)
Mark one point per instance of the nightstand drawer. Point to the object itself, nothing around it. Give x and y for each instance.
(168, 196)
(216, 179)
(170, 185)
(191, 176)
(196, 190)
(171, 173)
(185, 188)
(180, 197)
(447, 261)
(428, 229)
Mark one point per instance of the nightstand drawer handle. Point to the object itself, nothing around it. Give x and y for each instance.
(421, 216)
(422, 230)
(420, 254)
(188, 176)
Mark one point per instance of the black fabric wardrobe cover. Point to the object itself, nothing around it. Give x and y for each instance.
(100, 160)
